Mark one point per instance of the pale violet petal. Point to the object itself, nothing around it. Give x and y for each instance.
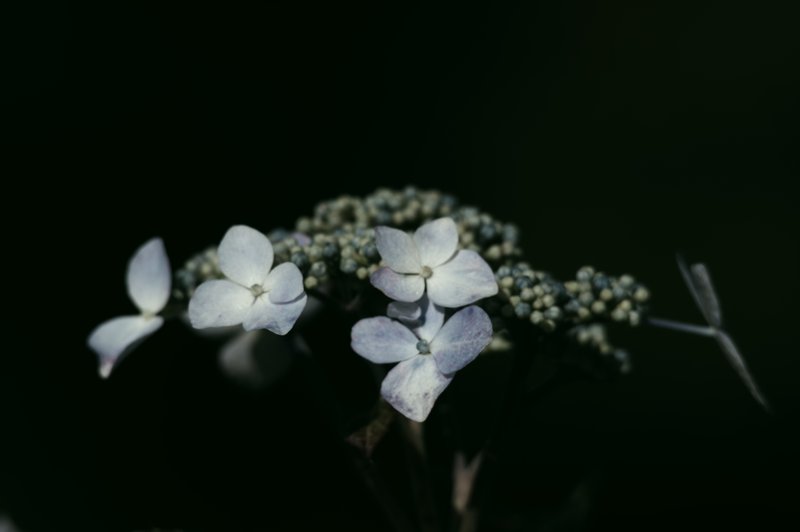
(245, 255)
(422, 317)
(382, 340)
(461, 339)
(111, 339)
(149, 277)
(397, 250)
(432, 319)
(405, 312)
(436, 241)
(412, 386)
(278, 318)
(284, 283)
(462, 280)
(219, 303)
(399, 286)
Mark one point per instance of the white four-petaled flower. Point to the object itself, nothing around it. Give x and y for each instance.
(252, 294)
(431, 258)
(428, 351)
(149, 281)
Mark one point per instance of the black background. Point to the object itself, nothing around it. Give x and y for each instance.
(613, 133)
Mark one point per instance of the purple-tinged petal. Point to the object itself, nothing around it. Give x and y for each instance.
(399, 286)
(397, 250)
(462, 280)
(245, 255)
(413, 386)
(436, 241)
(219, 303)
(278, 318)
(382, 340)
(461, 339)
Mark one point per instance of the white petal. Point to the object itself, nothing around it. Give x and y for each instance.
(397, 249)
(382, 340)
(413, 386)
(436, 241)
(284, 283)
(461, 339)
(399, 286)
(422, 317)
(245, 255)
(405, 312)
(112, 338)
(277, 318)
(149, 277)
(462, 280)
(432, 319)
(219, 303)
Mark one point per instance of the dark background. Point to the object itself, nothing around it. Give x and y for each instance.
(613, 133)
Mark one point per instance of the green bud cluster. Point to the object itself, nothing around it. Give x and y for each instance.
(592, 296)
(201, 267)
(594, 336)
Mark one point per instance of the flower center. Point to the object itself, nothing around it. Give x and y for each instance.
(426, 272)
(423, 347)
(257, 290)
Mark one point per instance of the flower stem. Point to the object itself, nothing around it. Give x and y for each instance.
(683, 327)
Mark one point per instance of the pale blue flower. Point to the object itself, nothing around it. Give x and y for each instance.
(428, 351)
(254, 294)
(431, 259)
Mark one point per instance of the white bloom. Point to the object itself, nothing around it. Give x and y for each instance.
(252, 294)
(431, 257)
(149, 281)
(429, 353)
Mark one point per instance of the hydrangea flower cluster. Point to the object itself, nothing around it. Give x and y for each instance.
(457, 258)
(425, 273)
(422, 249)
(338, 241)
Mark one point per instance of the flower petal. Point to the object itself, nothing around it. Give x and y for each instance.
(284, 283)
(422, 317)
(399, 286)
(111, 339)
(461, 339)
(436, 241)
(405, 312)
(397, 249)
(149, 277)
(275, 317)
(382, 340)
(413, 386)
(219, 303)
(462, 280)
(245, 255)
(432, 319)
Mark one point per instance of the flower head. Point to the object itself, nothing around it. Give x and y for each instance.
(428, 350)
(430, 258)
(254, 294)
(149, 281)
